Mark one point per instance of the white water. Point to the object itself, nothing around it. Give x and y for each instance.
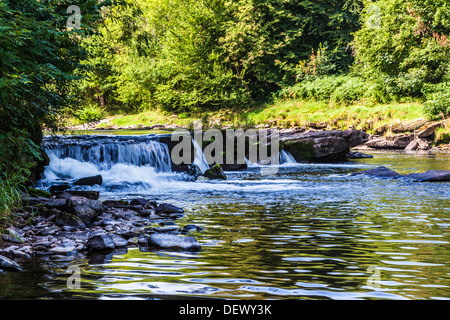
(144, 166)
(200, 159)
(286, 158)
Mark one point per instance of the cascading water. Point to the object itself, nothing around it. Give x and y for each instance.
(138, 161)
(286, 158)
(200, 159)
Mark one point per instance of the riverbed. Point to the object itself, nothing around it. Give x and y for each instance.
(309, 231)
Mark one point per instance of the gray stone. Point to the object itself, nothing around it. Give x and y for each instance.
(77, 235)
(100, 242)
(412, 146)
(168, 208)
(400, 141)
(215, 173)
(84, 208)
(430, 176)
(66, 247)
(8, 264)
(381, 172)
(89, 181)
(169, 229)
(173, 242)
(119, 242)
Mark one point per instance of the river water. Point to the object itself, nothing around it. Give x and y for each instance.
(310, 231)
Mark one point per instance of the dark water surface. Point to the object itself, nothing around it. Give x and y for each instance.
(308, 232)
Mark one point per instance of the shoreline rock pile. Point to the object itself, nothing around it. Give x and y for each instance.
(67, 225)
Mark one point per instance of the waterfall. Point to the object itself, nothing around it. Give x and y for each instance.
(143, 160)
(286, 158)
(200, 159)
(133, 160)
(104, 152)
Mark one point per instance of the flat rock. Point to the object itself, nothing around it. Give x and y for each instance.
(67, 247)
(173, 242)
(89, 181)
(168, 208)
(322, 146)
(430, 176)
(392, 142)
(381, 172)
(8, 264)
(92, 195)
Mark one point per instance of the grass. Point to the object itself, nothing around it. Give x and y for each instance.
(10, 199)
(285, 114)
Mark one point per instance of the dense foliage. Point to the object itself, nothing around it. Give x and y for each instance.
(197, 55)
(38, 56)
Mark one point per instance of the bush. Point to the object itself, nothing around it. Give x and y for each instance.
(91, 113)
(342, 89)
(438, 108)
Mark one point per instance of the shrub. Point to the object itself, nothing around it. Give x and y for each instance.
(438, 108)
(91, 113)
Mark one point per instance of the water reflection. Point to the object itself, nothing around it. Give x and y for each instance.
(311, 232)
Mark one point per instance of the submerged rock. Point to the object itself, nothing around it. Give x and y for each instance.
(430, 176)
(358, 155)
(168, 208)
(173, 242)
(381, 172)
(8, 264)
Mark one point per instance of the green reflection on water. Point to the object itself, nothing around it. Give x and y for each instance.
(313, 242)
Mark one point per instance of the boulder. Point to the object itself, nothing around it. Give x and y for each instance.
(412, 146)
(358, 155)
(92, 195)
(173, 242)
(215, 173)
(381, 172)
(68, 219)
(119, 242)
(139, 202)
(89, 181)
(100, 242)
(85, 209)
(430, 176)
(59, 188)
(398, 141)
(8, 264)
(322, 146)
(429, 129)
(168, 208)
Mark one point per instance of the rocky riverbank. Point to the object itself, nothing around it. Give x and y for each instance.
(67, 225)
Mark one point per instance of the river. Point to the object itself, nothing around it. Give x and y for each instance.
(310, 231)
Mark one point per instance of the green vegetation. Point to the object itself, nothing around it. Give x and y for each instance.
(39, 57)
